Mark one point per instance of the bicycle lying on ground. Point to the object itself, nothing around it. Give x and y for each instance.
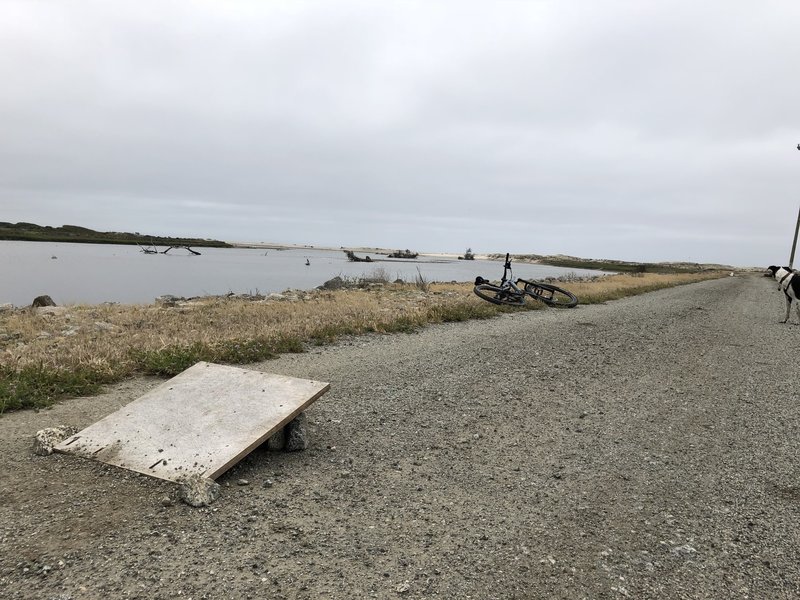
(509, 292)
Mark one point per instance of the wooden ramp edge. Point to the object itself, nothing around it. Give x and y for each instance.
(201, 422)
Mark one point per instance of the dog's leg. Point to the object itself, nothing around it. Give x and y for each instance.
(797, 309)
(788, 308)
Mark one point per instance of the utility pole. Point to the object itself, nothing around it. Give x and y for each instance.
(796, 229)
(794, 243)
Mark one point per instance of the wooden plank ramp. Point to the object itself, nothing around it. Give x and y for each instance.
(201, 422)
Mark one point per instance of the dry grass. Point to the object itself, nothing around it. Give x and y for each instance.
(105, 336)
(45, 356)
(614, 287)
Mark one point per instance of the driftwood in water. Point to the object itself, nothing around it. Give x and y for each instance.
(195, 252)
(351, 256)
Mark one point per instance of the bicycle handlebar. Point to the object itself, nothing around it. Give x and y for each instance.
(506, 268)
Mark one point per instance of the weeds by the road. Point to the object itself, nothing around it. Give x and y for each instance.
(614, 287)
(50, 354)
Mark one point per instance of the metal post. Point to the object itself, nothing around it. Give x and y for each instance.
(796, 229)
(794, 243)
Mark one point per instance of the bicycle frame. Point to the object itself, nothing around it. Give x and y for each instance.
(508, 291)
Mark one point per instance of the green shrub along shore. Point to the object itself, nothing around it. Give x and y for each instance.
(53, 353)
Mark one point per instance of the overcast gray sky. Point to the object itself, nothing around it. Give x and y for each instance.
(639, 130)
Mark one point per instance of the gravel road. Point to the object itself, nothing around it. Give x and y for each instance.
(646, 448)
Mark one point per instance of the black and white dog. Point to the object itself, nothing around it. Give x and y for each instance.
(789, 282)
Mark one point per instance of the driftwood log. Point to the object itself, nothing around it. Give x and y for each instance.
(195, 252)
(351, 256)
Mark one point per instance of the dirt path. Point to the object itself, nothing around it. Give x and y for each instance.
(646, 448)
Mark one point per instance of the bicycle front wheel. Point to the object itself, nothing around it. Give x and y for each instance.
(551, 295)
(497, 295)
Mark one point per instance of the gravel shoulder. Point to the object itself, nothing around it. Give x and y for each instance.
(646, 448)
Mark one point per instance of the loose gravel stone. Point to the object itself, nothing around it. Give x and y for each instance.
(297, 434)
(46, 439)
(199, 491)
(277, 441)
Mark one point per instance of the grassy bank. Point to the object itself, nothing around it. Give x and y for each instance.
(54, 353)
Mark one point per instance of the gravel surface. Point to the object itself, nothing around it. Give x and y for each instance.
(646, 448)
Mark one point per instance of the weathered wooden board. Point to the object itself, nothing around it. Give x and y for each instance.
(201, 422)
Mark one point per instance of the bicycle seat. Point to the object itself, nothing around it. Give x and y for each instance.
(480, 280)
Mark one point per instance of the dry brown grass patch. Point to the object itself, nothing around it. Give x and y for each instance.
(76, 347)
(104, 336)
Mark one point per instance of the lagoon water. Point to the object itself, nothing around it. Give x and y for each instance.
(95, 273)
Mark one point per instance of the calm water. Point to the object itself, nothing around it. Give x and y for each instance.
(95, 273)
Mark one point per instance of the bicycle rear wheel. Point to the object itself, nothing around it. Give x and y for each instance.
(497, 295)
(551, 295)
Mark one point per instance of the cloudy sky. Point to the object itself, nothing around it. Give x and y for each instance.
(657, 130)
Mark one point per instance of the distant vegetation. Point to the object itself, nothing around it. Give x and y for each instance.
(618, 266)
(621, 266)
(30, 232)
(468, 255)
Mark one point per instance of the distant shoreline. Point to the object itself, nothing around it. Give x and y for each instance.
(30, 232)
(360, 249)
(73, 234)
